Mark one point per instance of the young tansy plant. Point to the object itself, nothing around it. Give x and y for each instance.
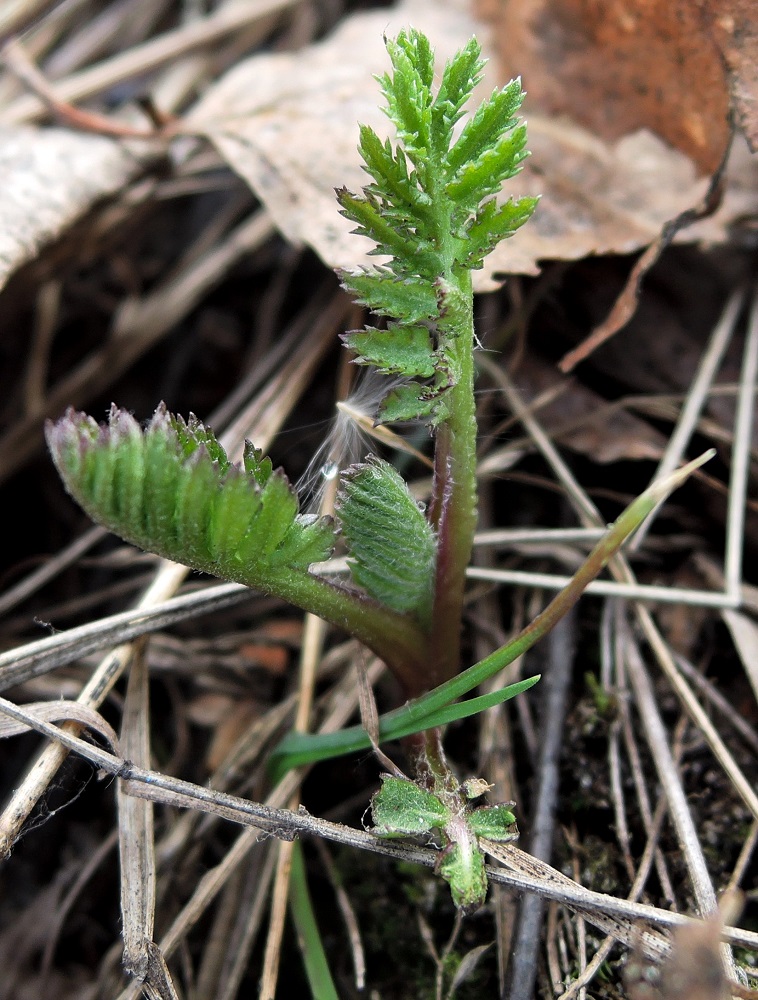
(431, 211)
(430, 208)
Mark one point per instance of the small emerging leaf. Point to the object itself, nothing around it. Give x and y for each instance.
(407, 299)
(494, 223)
(391, 544)
(495, 822)
(413, 401)
(462, 867)
(403, 808)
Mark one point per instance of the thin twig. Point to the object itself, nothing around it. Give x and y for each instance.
(596, 906)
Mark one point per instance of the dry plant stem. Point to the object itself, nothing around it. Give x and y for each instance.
(313, 641)
(128, 23)
(646, 861)
(643, 801)
(609, 588)
(626, 304)
(348, 915)
(692, 706)
(18, 14)
(24, 663)
(43, 769)
(534, 875)
(137, 326)
(213, 881)
(680, 812)
(220, 936)
(719, 703)
(496, 755)
(312, 648)
(625, 586)
(135, 826)
(669, 777)
(141, 958)
(623, 834)
(744, 635)
(560, 656)
(695, 400)
(249, 919)
(198, 35)
(66, 905)
(15, 59)
(49, 569)
(744, 859)
(272, 953)
(620, 569)
(743, 424)
(46, 316)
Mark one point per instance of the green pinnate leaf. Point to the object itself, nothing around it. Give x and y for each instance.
(308, 540)
(391, 545)
(197, 487)
(390, 172)
(409, 299)
(402, 808)
(461, 75)
(426, 210)
(405, 350)
(373, 221)
(496, 823)
(480, 178)
(408, 91)
(127, 472)
(494, 223)
(257, 464)
(192, 434)
(279, 507)
(230, 515)
(172, 490)
(493, 119)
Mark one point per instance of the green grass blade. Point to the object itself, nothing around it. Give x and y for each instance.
(299, 749)
(308, 935)
(622, 528)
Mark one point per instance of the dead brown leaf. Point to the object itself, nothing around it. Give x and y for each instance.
(583, 421)
(621, 65)
(287, 123)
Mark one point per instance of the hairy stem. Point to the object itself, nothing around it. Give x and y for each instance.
(455, 496)
(394, 637)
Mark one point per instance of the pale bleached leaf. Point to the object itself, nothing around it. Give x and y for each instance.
(49, 178)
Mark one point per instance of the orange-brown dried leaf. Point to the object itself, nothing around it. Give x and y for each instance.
(616, 66)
